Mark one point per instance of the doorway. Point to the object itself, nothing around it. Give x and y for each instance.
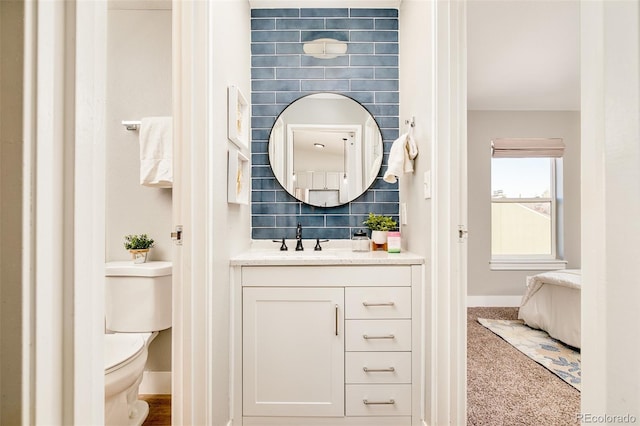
(523, 80)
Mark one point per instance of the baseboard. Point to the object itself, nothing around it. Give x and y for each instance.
(155, 383)
(493, 301)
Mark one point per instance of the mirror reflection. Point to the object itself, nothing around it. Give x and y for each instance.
(325, 149)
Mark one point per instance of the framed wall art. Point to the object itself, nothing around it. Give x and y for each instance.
(238, 178)
(238, 118)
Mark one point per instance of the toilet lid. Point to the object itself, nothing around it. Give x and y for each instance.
(121, 347)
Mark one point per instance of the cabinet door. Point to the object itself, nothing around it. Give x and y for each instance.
(319, 180)
(333, 180)
(293, 352)
(304, 180)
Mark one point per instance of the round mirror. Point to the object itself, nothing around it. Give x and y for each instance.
(325, 149)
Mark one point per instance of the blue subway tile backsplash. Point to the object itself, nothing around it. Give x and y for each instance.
(325, 13)
(352, 24)
(297, 24)
(273, 13)
(376, 35)
(314, 35)
(282, 73)
(379, 13)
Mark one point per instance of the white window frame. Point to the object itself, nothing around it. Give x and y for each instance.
(533, 261)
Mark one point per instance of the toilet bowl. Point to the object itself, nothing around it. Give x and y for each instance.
(137, 306)
(125, 355)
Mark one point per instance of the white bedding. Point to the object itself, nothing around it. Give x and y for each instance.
(552, 303)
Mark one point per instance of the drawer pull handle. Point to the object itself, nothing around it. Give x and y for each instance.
(337, 319)
(389, 402)
(367, 304)
(367, 337)
(378, 370)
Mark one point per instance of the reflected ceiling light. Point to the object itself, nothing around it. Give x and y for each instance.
(325, 48)
(318, 145)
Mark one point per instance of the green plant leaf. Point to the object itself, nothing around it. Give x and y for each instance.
(380, 222)
(137, 242)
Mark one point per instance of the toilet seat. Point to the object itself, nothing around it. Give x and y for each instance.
(121, 349)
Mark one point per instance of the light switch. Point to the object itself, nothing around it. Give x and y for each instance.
(427, 184)
(403, 214)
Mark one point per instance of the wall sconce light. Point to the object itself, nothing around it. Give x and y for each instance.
(325, 48)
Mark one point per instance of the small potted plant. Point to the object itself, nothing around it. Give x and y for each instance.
(138, 246)
(379, 225)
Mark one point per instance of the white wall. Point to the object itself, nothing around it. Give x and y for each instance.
(484, 126)
(138, 85)
(416, 101)
(230, 64)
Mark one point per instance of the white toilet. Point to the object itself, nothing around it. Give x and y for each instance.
(137, 307)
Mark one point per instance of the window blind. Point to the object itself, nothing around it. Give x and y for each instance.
(527, 147)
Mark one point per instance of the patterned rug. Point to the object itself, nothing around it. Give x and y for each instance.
(560, 359)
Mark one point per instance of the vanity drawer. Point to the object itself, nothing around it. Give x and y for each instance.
(378, 400)
(326, 275)
(377, 302)
(378, 335)
(378, 367)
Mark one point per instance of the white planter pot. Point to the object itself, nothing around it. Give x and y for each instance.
(139, 255)
(379, 237)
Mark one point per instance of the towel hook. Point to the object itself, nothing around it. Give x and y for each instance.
(411, 122)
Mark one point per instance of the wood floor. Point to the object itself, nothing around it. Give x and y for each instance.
(159, 410)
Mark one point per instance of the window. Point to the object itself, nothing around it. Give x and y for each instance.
(524, 219)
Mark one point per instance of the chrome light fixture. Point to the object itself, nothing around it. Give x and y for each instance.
(325, 48)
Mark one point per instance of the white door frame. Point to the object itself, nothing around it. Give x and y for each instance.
(448, 270)
(610, 104)
(193, 192)
(63, 219)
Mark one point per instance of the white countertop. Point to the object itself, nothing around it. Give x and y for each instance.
(337, 253)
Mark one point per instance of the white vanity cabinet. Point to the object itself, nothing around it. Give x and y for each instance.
(327, 339)
(378, 350)
(293, 351)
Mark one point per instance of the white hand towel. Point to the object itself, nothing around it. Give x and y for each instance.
(156, 152)
(401, 156)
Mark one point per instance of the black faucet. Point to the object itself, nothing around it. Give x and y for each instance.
(283, 247)
(299, 238)
(318, 247)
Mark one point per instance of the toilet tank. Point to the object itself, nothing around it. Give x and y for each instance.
(137, 296)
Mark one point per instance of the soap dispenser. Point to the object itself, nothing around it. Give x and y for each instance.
(360, 241)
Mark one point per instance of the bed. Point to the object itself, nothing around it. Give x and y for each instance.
(552, 303)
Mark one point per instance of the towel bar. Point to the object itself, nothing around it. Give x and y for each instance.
(131, 124)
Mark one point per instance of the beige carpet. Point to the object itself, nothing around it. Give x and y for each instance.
(505, 387)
